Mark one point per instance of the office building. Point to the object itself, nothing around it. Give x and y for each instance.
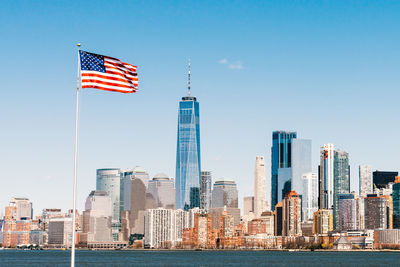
(382, 178)
(260, 192)
(162, 189)
(278, 219)
(248, 205)
(310, 196)
(301, 164)
(159, 228)
(205, 190)
(97, 217)
(376, 212)
(188, 165)
(291, 218)
(60, 232)
(268, 217)
(341, 181)
(326, 177)
(23, 208)
(365, 180)
(109, 180)
(224, 193)
(396, 203)
(323, 221)
(281, 158)
(349, 212)
(126, 177)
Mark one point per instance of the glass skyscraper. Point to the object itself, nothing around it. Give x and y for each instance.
(188, 168)
(281, 157)
(341, 181)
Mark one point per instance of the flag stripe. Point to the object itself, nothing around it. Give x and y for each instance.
(122, 69)
(110, 77)
(121, 64)
(107, 82)
(95, 85)
(113, 89)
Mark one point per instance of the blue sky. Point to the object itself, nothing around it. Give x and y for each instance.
(326, 69)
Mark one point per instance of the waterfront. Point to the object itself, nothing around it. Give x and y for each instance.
(198, 258)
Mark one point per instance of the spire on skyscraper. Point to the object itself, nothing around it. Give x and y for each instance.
(189, 79)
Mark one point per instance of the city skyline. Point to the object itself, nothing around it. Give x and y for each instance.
(234, 85)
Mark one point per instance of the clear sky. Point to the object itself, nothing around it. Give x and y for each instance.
(326, 69)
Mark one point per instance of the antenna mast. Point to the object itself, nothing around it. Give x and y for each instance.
(189, 79)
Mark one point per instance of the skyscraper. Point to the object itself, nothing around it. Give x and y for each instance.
(365, 180)
(310, 195)
(188, 166)
(326, 177)
(224, 193)
(248, 205)
(260, 191)
(127, 176)
(349, 218)
(163, 191)
(383, 178)
(291, 216)
(396, 203)
(281, 159)
(376, 212)
(109, 180)
(341, 178)
(205, 190)
(301, 164)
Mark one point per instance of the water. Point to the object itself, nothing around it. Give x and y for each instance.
(198, 258)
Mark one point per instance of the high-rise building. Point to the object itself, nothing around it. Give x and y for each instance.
(109, 180)
(97, 217)
(278, 219)
(127, 176)
(60, 232)
(291, 219)
(260, 192)
(205, 190)
(159, 228)
(248, 205)
(281, 158)
(376, 212)
(326, 177)
(396, 203)
(382, 178)
(301, 164)
(188, 166)
(224, 193)
(365, 180)
(162, 189)
(341, 181)
(309, 196)
(349, 206)
(323, 221)
(23, 208)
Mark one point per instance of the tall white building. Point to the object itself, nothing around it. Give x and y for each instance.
(260, 203)
(164, 227)
(326, 175)
(365, 180)
(310, 195)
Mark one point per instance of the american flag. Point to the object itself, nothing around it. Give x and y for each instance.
(107, 73)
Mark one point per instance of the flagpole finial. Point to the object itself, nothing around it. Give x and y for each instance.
(79, 44)
(189, 79)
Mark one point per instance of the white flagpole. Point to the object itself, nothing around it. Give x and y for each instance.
(75, 163)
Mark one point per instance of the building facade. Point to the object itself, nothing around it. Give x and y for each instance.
(224, 193)
(365, 180)
(162, 189)
(281, 158)
(382, 178)
(188, 167)
(248, 205)
(323, 221)
(260, 192)
(375, 212)
(291, 215)
(310, 196)
(341, 181)
(349, 212)
(396, 203)
(109, 180)
(326, 174)
(205, 190)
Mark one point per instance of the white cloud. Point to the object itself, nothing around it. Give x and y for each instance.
(231, 65)
(236, 66)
